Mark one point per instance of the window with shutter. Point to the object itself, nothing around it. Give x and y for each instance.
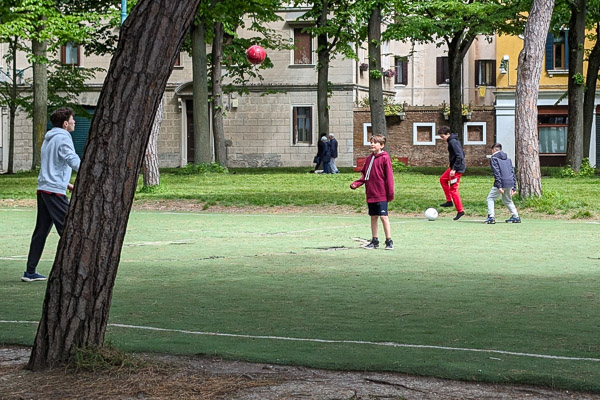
(401, 67)
(302, 47)
(485, 72)
(302, 124)
(557, 50)
(69, 54)
(442, 71)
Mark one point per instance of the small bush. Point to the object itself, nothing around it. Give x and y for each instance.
(583, 214)
(196, 169)
(399, 166)
(585, 171)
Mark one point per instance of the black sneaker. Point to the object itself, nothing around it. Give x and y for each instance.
(490, 220)
(389, 244)
(373, 244)
(458, 215)
(514, 220)
(447, 204)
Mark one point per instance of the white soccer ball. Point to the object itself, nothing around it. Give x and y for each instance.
(431, 214)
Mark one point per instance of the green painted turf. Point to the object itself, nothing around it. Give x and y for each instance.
(528, 288)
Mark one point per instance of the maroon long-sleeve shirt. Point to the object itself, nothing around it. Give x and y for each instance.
(378, 176)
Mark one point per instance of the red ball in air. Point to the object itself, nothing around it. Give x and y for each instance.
(256, 54)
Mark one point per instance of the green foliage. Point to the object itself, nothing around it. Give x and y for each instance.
(375, 73)
(399, 166)
(107, 358)
(579, 79)
(585, 171)
(197, 169)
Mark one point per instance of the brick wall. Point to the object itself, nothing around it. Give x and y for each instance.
(400, 136)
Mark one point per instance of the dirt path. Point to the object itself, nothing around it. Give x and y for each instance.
(183, 377)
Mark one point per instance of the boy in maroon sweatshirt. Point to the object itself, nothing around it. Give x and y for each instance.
(378, 178)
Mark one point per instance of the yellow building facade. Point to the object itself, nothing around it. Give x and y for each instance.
(552, 100)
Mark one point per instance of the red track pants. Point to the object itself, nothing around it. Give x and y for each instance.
(451, 189)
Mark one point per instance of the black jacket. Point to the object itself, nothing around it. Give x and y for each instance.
(456, 154)
(333, 144)
(504, 173)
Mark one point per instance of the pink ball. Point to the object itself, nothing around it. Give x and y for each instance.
(256, 54)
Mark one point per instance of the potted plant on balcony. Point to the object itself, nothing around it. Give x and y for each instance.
(389, 73)
(363, 66)
(391, 108)
(466, 110)
(445, 111)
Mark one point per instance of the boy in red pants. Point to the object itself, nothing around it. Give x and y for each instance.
(450, 179)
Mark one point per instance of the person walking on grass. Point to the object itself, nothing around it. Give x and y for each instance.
(505, 185)
(378, 177)
(450, 179)
(58, 159)
(333, 147)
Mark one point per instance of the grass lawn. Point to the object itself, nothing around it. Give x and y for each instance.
(415, 191)
(461, 300)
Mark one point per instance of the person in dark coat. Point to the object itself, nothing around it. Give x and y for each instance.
(326, 155)
(318, 160)
(450, 179)
(333, 145)
(505, 185)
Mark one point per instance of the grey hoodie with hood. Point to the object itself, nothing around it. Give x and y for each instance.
(504, 173)
(58, 160)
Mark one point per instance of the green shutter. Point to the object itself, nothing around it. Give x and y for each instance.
(550, 52)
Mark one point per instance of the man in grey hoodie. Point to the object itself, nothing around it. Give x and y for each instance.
(58, 159)
(505, 185)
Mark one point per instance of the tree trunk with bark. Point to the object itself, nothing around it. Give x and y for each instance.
(457, 49)
(323, 73)
(203, 153)
(12, 107)
(378, 122)
(590, 94)
(529, 72)
(576, 39)
(40, 98)
(80, 285)
(150, 165)
(217, 93)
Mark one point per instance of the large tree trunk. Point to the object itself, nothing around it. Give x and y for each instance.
(40, 98)
(12, 107)
(590, 94)
(80, 286)
(576, 85)
(323, 73)
(378, 123)
(202, 149)
(529, 72)
(217, 93)
(150, 165)
(457, 48)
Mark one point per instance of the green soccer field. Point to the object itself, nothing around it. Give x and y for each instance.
(461, 300)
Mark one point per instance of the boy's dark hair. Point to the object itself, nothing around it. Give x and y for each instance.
(497, 146)
(378, 139)
(61, 115)
(444, 130)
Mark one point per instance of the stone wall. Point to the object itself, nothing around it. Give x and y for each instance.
(401, 143)
(260, 129)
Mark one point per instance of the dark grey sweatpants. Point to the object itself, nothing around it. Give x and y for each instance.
(51, 209)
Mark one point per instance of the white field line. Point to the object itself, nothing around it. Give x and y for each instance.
(361, 342)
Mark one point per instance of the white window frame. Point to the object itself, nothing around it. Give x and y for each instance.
(466, 140)
(416, 125)
(366, 135)
(312, 123)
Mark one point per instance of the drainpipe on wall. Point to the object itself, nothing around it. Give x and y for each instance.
(123, 11)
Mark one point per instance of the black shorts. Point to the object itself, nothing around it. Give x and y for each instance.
(378, 209)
